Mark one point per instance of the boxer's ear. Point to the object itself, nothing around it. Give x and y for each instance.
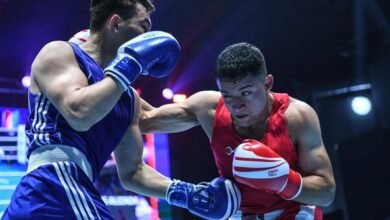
(268, 82)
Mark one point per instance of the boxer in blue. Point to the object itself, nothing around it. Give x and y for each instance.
(82, 108)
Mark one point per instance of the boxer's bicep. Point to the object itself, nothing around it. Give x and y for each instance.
(314, 163)
(312, 156)
(58, 75)
(128, 153)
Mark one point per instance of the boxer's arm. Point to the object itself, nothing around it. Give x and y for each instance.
(218, 199)
(177, 117)
(318, 181)
(59, 77)
(134, 174)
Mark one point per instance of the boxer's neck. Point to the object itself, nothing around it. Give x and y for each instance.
(101, 50)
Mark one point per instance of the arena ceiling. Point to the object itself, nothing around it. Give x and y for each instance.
(308, 45)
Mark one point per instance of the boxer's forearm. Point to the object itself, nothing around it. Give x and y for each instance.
(169, 118)
(146, 181)
(317, 190)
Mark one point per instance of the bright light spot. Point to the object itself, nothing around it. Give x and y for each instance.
(167, 93)
(145, 154)
(361, 105)
(179, 98)
(26, 81)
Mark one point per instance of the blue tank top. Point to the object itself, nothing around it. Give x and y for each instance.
(46, 126)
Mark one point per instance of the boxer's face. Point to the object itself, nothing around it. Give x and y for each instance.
(138, 24)
(245, 98)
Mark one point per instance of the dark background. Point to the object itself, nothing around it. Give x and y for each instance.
(316, 50)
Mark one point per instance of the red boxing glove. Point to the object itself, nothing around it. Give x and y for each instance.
(258, 166)
(80, 37)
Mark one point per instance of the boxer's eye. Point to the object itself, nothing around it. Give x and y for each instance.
(246, 93)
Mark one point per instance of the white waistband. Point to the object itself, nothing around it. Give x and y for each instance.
(306, 212)
(268, 216)
(54, 153)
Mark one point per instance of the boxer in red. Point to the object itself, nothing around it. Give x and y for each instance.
(269, 143)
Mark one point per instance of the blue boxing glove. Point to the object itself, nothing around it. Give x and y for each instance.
(153, 53)
(218, 199)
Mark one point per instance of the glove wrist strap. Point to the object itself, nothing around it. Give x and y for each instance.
(124, 68)
(293, 186)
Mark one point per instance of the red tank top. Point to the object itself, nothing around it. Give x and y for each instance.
(225, 138)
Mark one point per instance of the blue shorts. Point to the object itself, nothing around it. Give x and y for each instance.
(60, 190)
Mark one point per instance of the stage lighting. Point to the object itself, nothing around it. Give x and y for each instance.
(167, 93)
(361, 105)
(26, 81)
(179, 98)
